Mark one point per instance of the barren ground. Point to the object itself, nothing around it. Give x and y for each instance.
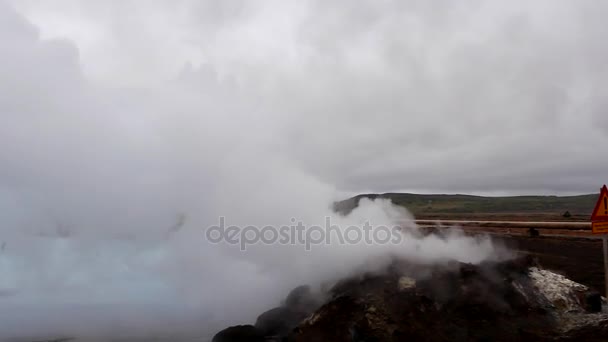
(566, 247)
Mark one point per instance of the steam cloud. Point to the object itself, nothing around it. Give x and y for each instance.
(105, 190)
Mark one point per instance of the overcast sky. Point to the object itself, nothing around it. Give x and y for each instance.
(120, 120)
(434, 96)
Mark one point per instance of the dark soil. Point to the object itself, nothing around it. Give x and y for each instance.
(579, 259)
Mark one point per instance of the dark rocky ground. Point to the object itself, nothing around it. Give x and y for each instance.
(507, 301)
(579, 259)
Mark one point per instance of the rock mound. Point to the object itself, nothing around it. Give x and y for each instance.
(275, 324)
(506, 301)
(239, 333)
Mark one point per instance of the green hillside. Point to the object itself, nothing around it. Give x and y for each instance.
(462, 205)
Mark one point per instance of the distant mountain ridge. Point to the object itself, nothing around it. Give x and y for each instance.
(459, 205)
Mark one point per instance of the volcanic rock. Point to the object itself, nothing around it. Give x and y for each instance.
(239, 333)
(509, 301)
(279, 321)
(493, 301)
(301, 299)
(276, 323)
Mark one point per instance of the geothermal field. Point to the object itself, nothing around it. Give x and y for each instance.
(303, 170)
(549, 289)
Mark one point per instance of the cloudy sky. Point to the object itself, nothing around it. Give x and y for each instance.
(122, 120)
(433, 96)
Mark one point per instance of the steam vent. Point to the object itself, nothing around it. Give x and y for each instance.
(506, 301)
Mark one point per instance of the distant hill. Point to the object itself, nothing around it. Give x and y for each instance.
(465, 206)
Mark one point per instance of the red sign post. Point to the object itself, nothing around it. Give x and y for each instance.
(599, 225)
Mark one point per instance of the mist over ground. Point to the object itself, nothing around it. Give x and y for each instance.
(128, 128)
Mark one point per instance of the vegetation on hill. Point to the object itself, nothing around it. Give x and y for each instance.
(425, 205)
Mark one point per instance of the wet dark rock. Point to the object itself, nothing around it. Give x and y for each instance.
(279, 321)
(593, 301)
(239, 333)
(301, 299)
